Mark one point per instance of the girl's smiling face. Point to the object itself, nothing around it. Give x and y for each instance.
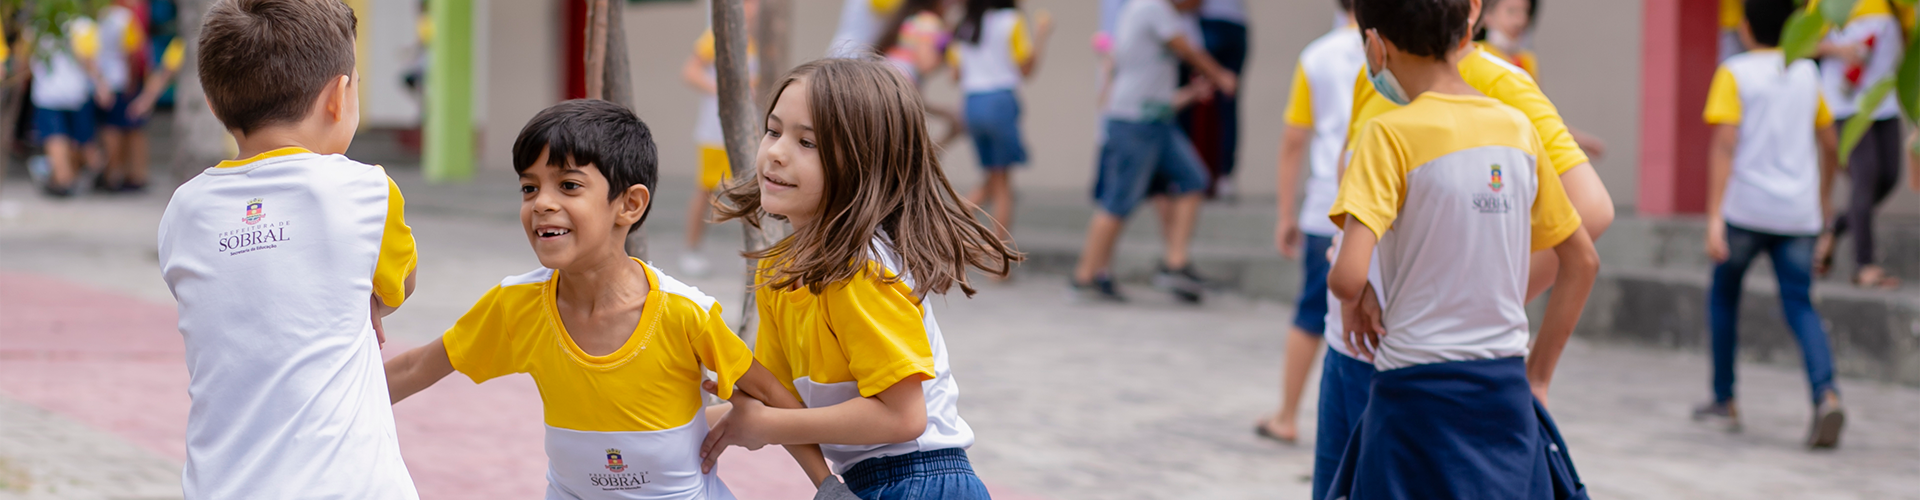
(792, 180)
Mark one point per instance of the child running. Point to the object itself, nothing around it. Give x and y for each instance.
(616, 346)
(1770, 171)
(914, 44)
(1457, 409)
(714, 167)
(993, 52)
(283, 264)
(1322, 99)
(845, 321)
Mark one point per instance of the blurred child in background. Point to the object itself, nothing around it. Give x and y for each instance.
(993, 51)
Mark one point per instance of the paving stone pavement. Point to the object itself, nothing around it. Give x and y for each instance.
(1151, 400)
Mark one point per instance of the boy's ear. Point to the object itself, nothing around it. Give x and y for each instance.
(336, 97)
(632, 205)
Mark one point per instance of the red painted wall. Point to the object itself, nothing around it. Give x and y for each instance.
(1679, 52)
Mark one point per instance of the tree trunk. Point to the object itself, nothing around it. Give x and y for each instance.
(200, 138)
(736, 121)
(610, 77)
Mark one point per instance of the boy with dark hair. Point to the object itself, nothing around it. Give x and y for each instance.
(617, 347)
(1457, 407)
(1770, 169)
(283, 264)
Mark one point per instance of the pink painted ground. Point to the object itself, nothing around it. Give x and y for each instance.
(115, 363)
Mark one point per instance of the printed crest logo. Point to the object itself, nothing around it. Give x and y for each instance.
(1495, 184)
(614, 464)
(254, 212)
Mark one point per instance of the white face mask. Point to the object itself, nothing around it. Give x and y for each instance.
(1383, 81)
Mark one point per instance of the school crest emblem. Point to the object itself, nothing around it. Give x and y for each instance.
(1495, 183)
(614, 463)
(254, 212)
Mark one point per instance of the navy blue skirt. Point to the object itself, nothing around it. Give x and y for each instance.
(1461, 430)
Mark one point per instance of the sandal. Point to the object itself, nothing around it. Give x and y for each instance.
(1261, 429)
(1874, 277)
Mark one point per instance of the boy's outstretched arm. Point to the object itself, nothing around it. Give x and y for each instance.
(1192, 54)
(1719, 169)
(761, 385)
(1579, 263)
(1359, 309)
(417, 369)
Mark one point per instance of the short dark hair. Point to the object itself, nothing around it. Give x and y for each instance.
(264, 62)
(1767, 18)
(593, 132)
(1425, 28)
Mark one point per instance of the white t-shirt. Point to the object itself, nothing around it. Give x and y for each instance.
(273, 260)
(1326, 72)
(1146, 72)
(59, 82)
(1775, 186)
(859, 28)
(115, 21)
(1888, 45)
(993, 64)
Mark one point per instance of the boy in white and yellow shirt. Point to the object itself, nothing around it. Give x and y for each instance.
(1454, 192)
(616, 346)
(1770, 169)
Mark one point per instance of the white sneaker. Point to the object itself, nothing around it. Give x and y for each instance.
(693, 264)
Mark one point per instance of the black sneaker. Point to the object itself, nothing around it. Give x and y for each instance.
(1724, 413)
(1828, 419)
(1101, 289)
(57, 191)
(1183, 283)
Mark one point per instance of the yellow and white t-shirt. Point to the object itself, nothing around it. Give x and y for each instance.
(1523, 59)
(1775, 186)
(1500, 80)
(627, 424)
(855, 339)
(272, 260)
(1454, 188)
(1322, 99)
(707, 131)
(1874, 25)
(994, 63)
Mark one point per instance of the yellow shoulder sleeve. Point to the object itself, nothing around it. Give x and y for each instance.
(1516, 89)
(1553, 216)
(175, 55)
(1020, 42)
(721, 350)
(1723, 99)
(1822, 117)
(86, 41)
(703, 47)
(1376, 180)
(1300, 100)
(483, 343)
(880, 329)
(1367, 104)
(397, 256)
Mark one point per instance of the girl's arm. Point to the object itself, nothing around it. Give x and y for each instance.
(695, 74)
(417, 369)
(1579, 263)
(761, 385)
(1042, 30)
(895, 415)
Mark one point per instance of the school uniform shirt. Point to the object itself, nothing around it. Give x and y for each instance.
(1523, 59)
(273, 260)
(1500, 80)
(1775, 184)
(59, 81)
(627, 424)
(1146, 73)
(855, 339)
(707, 131)
(1873, 25)
(1453, 187)
(1322, 100)
(118, 36)
(993, 64)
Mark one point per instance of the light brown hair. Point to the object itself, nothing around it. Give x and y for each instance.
(882, 173)
(263, 62)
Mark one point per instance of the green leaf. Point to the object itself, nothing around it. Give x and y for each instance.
(1857, 125)
(1838, 10)
(1908, 76)
(1803, 33)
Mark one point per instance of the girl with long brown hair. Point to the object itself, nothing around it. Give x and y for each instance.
(845, 158)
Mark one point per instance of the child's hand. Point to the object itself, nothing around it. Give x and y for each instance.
(735, 429)
(374, 309)
(1042, 24)
(1287, 238)
(1717, 241)
(1362, 322)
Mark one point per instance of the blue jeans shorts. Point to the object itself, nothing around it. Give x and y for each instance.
(1142, 155)
(119, 117)
(1310, 313)
(945, 474)
(993, 119)
(75, 124)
